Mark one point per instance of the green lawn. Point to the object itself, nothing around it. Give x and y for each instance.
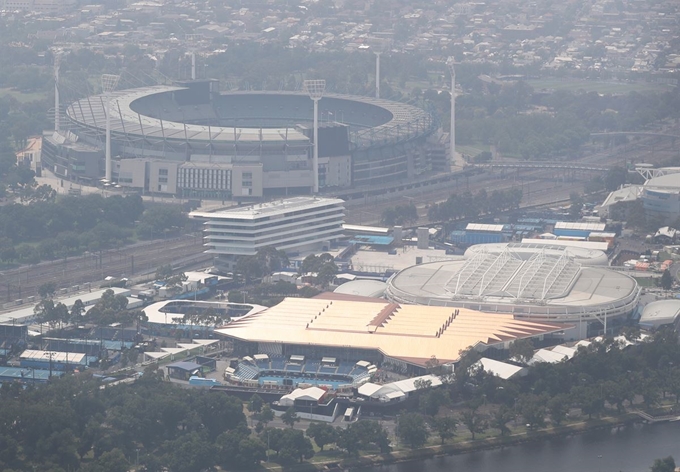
(646, 281)
(22, 97)
(473, 149)
(596, 86)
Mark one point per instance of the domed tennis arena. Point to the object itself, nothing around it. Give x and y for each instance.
(532, 282)
(191, 140)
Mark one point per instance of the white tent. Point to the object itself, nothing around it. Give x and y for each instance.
(500, 369)
(311, 394)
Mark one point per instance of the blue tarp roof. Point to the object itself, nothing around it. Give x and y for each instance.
(372, 240)
(9, 373)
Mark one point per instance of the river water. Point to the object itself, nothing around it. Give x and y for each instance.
(625, 449)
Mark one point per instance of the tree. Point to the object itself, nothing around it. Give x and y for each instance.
(590, 399)
(255, 404)
(265, 415)
(412, 429)
(473, 421)
(615, 178)
(667, 464)
(532, 409)
(576, 206)
(444, 426)
(500, 419)
(236, 450)
(110, 461)
(77, 309)
(522, 349)
(349, 439)
(47, 290)
(430, 402)
(322, 433)
(666, 281)
(295, 446)
(558, 407)
(289, 417)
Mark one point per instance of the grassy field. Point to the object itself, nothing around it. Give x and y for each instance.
(646, 281)
(22, 97)
(596, 86)
(472, 149)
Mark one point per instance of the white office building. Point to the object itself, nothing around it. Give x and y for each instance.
(294, 225)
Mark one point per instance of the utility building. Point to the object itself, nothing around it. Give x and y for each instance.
(299, 224)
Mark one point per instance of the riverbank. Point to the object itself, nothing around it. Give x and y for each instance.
(465, 447)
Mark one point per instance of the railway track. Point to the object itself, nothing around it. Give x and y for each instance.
(23, 282)
(539, 186)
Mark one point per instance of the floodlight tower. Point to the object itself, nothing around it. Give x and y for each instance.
(56, 92)
(377, 73)
(109, 82)
(315, 89)
(452, 134)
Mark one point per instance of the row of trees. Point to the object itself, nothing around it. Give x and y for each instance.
(74, 424)
(71, 225)
(469, 205)
(400, 215)
(110, 308)
(269, 260)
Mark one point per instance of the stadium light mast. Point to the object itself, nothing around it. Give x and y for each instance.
(315, 90)
(452, 134)
(109, 82)
(377, 73)
(56, 92)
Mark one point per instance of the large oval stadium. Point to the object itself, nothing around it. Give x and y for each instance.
(190, 139)
(532, 282)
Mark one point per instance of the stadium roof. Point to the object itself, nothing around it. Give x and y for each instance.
(532, 282)
(669, 182)
(408, 332)
(91, 112)
(625, 194)
(586, 253)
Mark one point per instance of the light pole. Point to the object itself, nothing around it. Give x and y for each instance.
(109, 82)
(452, 134)
(377, 73)
(56, 91)
(315, 89)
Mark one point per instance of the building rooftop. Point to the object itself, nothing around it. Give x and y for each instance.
(660, 312)
(408, 332)
(269, 209)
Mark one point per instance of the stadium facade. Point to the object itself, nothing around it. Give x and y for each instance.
(660, 194)
(532, 282)
(189, 139)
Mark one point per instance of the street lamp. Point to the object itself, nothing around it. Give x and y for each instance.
(109, 82)
(315, 89)
(452, 134)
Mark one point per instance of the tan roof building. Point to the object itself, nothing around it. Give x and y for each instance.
(410, 333)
